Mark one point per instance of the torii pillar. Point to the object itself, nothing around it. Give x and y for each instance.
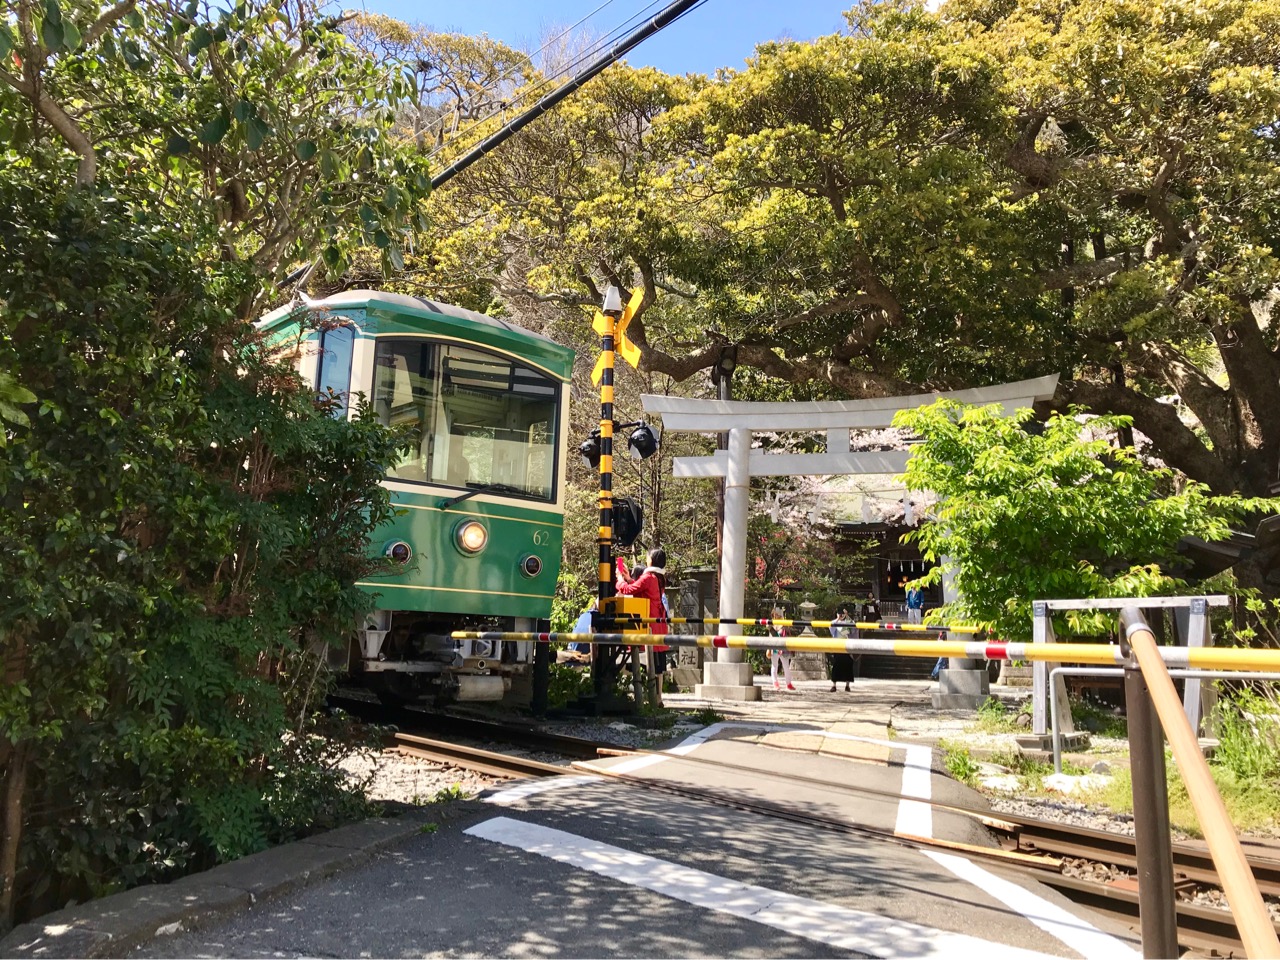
(729, 678)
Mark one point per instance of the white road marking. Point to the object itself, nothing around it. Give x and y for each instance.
(1054, 920)
(504, 798)
(841, 927)
(914, 816)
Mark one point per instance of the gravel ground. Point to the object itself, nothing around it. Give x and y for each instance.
(1069, 812)
(396, 778)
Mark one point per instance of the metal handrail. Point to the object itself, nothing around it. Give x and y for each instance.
(1147, 685)
(1117, 672)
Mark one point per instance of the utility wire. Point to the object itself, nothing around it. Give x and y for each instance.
(667, 16)
(537, 88)
(510, 72)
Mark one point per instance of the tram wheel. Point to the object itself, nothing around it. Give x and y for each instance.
(395, 689)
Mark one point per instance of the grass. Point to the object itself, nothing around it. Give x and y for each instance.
(960, 763)
(1245, 767)
(707, 716)
(995, 717)
(1253, 806)
(963, 766)
(1098, 719)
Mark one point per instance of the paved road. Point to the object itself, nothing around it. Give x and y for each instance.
(585, 867)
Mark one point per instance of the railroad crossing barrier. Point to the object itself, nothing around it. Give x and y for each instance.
(1104, 654)
(816, 624)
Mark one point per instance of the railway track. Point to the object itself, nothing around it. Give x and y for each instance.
(489, 762)
(1190, 863)
(1039, 847)
(484, 731)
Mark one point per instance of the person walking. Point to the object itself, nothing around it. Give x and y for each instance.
(841, 664)
(779, 656)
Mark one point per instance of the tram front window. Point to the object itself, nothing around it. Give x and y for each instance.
(476, 418)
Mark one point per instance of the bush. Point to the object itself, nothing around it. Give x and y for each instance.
(567, 684)
(181, 526)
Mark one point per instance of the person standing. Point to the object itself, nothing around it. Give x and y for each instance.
(841, 664)
(779, 656)
(650, 583)
(915, 605)
(871, 609)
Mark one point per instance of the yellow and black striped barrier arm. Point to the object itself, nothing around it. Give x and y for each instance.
(1109, 654)
(816, 624)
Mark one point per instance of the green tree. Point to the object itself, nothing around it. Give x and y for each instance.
(1034, 514)
(181, 523)
(933, 200)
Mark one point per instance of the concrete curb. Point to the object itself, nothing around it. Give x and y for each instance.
(115, 925)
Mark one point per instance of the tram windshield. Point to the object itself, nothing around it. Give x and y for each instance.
(478, 419)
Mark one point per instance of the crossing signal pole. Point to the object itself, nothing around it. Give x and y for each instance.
(604, 658)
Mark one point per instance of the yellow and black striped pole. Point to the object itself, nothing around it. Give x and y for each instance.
(602, 659)
(612, 311)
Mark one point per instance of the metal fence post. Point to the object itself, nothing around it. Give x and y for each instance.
(1156, 898)
(1040, 689)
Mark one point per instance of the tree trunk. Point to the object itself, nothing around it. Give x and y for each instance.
(13, 766)
(15, 787)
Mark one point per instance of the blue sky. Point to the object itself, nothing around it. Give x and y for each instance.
(719, 33)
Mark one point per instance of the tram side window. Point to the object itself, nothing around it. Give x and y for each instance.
(479, 418)
(334, 373)
(404, 393)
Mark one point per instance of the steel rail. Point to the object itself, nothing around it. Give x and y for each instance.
(1190, 863)
(473, 758)
(469, 727)
(1199, 927)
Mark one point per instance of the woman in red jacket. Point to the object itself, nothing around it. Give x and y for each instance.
(651, 584)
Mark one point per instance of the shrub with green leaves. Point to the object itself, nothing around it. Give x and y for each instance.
(181, 524)
(181, 527)
(1035, 512)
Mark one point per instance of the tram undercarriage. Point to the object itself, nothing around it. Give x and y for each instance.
(405, 656)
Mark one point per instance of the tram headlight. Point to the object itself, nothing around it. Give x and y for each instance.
(530, 565)
(471, 537)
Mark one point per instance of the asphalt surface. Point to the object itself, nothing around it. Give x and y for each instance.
(596, 868)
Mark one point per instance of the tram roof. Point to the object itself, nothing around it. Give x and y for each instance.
(402, 303)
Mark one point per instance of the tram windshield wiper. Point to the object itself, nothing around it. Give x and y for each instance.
(482, 488)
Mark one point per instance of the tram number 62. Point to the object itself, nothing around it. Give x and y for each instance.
(541, 537)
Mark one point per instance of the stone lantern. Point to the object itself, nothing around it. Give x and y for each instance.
(807, 610)
(808, 666)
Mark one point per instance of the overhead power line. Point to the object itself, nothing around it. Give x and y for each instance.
(665, 18)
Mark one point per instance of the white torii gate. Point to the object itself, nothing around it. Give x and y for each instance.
(729, 678)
